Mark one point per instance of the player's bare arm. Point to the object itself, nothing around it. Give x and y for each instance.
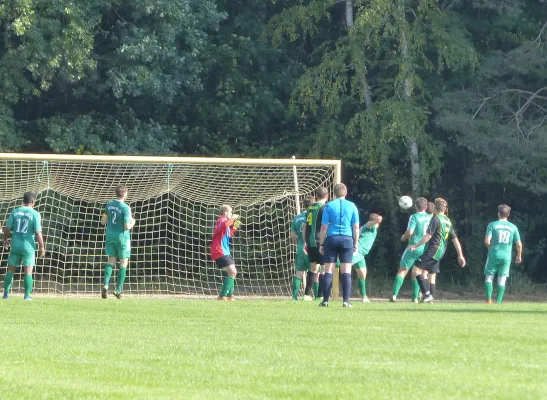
(104, 219)
(7, 236)
(129, 225)
(487, 240)
(424, 240)
(356, 237)
(41, 247)
(406, 236)
(294, 236)
(457, 245)
(323, 236)
(518, 259)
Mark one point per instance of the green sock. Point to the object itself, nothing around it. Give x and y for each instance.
(488, 289)
(296, 282)
(316, 289)
(415, 289)
(501, 291)
(363, 287)
(232, 287)
(121, 279)
(397, 284)
(226, 286)
(28, 284)
(8, 280)
(107, 274)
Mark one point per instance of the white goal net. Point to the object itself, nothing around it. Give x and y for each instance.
(175, 202)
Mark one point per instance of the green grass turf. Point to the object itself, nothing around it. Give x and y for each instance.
(188, 349)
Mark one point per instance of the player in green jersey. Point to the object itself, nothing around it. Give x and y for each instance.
(118, 220)
(22, 231)
(439, 230)
(367, 236)
(310, 232)
(302, 262)
(416, 229)
(499, 238)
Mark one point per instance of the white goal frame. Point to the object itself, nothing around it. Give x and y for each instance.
(136, 160)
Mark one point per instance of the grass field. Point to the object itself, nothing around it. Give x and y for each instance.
(188, 349)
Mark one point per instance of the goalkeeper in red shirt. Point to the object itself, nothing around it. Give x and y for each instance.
(225, 227)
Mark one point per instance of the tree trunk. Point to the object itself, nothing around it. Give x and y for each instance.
(413, 146)
(363, 77)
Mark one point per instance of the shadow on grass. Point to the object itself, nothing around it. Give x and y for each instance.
(464, 310)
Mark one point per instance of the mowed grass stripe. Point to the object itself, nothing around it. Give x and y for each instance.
(169, 349)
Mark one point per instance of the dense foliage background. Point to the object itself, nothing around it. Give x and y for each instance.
(430, 97)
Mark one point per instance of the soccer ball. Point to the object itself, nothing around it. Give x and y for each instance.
(405, 202)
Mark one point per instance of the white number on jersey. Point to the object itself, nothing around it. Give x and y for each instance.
(22, 227)
(504, 236)
(114, 218)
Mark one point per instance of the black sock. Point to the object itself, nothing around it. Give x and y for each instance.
(310, 277)
(327, 285)
(346, 287)
(432, 288)
(424, 285)
(321, 278)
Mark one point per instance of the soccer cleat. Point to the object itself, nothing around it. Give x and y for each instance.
(307, 298)
(230, 298)
(420, 296)
(427, 299)
(222, 298)
(415, 300)
(324, 304)
(489, 301)
(104, 292)
(346, 304)
(393, 299)
(5, 296)
(117, 294)
(28, 298)
(365, 300)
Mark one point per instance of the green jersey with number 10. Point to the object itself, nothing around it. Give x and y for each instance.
(503, 234)
(418, 223)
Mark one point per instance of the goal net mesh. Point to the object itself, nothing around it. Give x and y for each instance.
(175, 206)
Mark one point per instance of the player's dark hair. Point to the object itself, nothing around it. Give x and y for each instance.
(321, 193)
(340, 190)
(374, 217)
(421, 204)
(504, 210)
(430, 208)
(28, 198)
(308, 201)
(121, 190)
(441, 205)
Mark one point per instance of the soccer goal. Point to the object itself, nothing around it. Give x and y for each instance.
(175, 201)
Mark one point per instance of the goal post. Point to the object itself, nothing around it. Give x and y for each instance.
(175, 201)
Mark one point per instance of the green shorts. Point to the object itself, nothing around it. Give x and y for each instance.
(18, 257)
(118, 248)
(409, 258)
(359, 262)
(302, 262)
(496, 266)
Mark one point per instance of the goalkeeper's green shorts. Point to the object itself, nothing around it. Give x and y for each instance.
(302, 262)
(118, 248)
(18, 257)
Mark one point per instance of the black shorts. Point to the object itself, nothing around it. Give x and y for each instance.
(339, 247)
(429, 264)
(314, 255)
(224, 261)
